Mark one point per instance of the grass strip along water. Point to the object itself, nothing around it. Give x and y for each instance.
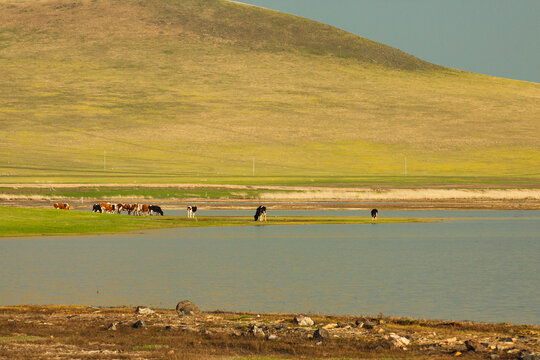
(33, 222)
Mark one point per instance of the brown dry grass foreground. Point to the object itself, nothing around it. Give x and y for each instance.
(67, 332)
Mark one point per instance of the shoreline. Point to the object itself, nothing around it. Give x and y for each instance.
(219, 197)
(33, 331)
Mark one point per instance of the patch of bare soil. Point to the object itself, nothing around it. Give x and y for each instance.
(32, 332)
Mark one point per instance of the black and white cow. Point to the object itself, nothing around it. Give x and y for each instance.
(374, 213)
(96, 208)
(155, 209)
(191, 210)
(260, 214)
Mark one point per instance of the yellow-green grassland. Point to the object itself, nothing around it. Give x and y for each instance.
(198, 90)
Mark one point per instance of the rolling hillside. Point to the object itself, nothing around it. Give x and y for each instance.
(194, 90)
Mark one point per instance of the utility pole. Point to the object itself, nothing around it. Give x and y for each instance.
(253, 165)
(405, 165)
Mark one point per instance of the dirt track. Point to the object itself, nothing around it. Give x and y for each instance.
(309, 198)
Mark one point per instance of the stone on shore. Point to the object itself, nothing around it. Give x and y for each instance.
(365, 323)
(256, 331)
(302, 320)
(139, 325)
(142, 310)
(321, 334)
(187, 308)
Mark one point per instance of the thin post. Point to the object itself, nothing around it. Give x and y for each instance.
(405, 165)
(104, 159)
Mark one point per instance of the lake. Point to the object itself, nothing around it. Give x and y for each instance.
(477, 265)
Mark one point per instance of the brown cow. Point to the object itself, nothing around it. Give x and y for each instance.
(61, 206)
(128, 207)
(142, 209)
(107, 207)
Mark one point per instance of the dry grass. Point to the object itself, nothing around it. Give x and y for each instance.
(171, 89)
(28, 332)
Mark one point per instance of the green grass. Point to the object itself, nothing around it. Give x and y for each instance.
(180, 91)
(27, 222)
(20, 338)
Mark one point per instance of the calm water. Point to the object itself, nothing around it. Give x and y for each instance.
(483, 265)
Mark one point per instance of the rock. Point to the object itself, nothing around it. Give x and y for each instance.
(187, 308)
(272, 337)
(141, 310)
(302, 320)
(471, 345)
(321, 334)
(494, 356)
(398, 341)
(256, 331)
(365, 323)
(330, 326)
(112, 327)
(139, 324)
(451, 340)
(531, 356)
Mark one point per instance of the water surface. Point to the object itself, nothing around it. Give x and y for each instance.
(481, 266)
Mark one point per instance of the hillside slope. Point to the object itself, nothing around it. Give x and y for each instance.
(198, 88)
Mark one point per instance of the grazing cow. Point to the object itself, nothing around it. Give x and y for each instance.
(61, 206)
(130, 208)
(119, 208)
(141, 209)
(156, 209)
(374, 213)
(107, 207)
(260, 214)
(191, 210)
(96, 208)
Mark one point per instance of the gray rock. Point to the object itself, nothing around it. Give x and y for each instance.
(256, 331)
(302, 320)
(531, 356)
(321, 334)
(471, 345)
(398, 341)
(365, 323)
(141, 310)
(187, 308)
(139, 325)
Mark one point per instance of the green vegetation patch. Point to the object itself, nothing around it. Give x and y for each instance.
(20, 338)
(26, 222)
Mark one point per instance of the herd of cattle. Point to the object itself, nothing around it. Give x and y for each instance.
(136, 209)
(143, 209)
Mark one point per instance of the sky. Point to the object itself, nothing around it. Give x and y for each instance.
(494, 37)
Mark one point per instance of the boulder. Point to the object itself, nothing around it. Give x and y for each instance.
(365, 323)
(139, 325)
(531, 356)
(256, 331)
(330, 326)
(321, 334)
(471, 345)
(302, 320)
(187, 308)
(398, 341)
(141, 310)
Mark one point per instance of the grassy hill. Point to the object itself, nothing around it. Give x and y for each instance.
(192, 90)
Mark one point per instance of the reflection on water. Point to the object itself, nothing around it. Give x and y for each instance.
(482, 269)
